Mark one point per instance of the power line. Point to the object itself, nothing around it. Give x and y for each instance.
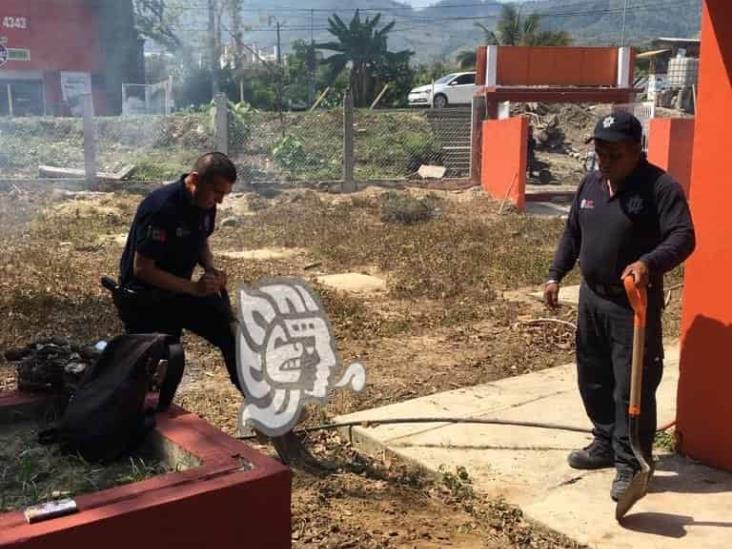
(263, 9)
(421, 22)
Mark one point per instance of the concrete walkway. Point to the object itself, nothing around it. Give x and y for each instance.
(689, 505)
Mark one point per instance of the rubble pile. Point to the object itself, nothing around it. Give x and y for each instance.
(53, 365)
(561, 128)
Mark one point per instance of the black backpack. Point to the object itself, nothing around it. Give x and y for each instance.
(106, 417)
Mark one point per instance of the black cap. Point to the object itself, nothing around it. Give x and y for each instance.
(618, 126)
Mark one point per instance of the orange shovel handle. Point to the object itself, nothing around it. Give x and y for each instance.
(638, 300)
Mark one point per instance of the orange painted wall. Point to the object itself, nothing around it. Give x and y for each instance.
(557, 66)
(503, 163)
(704, 417)
(670, 146)
(545, 65)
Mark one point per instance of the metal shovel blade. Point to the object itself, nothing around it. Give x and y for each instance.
(637, 489)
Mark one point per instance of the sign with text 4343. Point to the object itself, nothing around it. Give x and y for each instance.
(12, 22)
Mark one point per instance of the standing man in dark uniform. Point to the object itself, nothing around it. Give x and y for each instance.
(168, 238)
(630, 218)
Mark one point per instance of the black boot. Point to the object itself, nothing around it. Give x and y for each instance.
(597, 455)
(623, 477)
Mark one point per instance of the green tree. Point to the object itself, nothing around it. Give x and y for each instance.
(234, 8)
(156, 20)
(361, 46)
(513, 29)
(466, 59)
(299, 62)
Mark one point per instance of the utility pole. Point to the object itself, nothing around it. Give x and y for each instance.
(625, 12)
(311, 63)
(280, 76)
(213, 49)
(279, 46)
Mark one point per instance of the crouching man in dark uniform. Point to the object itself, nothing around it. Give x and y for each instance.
(628, 218)
(168, 238)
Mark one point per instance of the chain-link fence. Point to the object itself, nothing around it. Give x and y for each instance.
(138, 99)
(267, 147)
(309, 146)
(29, 143)
(142, 148)
(280, 147)
(392, 144)
(152, 147)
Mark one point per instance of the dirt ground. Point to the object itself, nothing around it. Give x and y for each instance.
(455, 313)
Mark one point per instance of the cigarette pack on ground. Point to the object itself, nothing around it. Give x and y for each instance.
(50, 509)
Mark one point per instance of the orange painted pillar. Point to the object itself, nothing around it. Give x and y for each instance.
(704, 417)
(503, 162)
(670, 146)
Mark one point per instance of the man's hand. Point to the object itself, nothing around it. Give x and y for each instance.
(223, 279)
(551, 294)
(220, 276)
(639, 271)
(207, 285)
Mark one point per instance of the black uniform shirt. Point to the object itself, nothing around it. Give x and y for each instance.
(169, 229)
(647, 220)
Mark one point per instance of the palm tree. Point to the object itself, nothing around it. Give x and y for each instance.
(466, 59)
(362, 46)
(514, 30)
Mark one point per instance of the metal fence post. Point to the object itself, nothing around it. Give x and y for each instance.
(222, 123)
(348, 160)
(90, 142)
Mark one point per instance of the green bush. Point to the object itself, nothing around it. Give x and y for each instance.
(150, 169)
(289, 154)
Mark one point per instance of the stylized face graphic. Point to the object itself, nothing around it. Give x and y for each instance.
(286, 355)
(299, 354)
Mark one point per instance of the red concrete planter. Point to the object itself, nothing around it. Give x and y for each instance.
(234, 498)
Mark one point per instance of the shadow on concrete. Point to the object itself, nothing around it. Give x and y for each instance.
(685, 477)
(666, 524)
(681, 475)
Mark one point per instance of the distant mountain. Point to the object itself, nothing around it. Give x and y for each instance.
(601, 21)
(443, 29)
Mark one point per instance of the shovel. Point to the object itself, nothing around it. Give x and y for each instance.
(639, 485)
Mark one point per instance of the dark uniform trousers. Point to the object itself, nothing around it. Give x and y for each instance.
(208, 317)
(604, 353)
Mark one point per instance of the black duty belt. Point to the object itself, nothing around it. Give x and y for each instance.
(606, 290)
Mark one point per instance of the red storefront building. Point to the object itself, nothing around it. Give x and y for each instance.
(52, 51)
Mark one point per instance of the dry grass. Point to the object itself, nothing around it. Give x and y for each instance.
(443, 322)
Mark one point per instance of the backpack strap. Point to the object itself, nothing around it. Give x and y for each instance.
(173, 375)
(48, 436)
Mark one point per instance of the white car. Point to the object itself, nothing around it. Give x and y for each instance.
(453, 89)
